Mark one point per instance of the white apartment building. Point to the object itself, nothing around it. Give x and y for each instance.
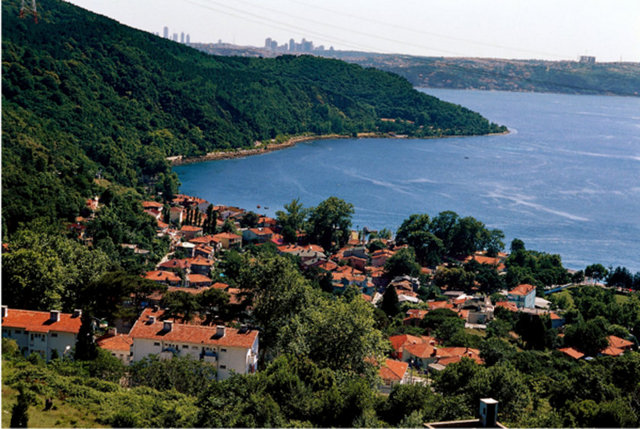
(41, 332)
(230, 350)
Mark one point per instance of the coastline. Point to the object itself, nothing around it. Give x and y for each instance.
(271, 147)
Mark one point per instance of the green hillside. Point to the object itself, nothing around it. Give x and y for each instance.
(82, 94)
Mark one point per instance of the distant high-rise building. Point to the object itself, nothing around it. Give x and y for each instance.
(182, 37)
(585, 59)
(188, 39)
(267, 43)
(292, 45)
(175, 37)
(166, 32)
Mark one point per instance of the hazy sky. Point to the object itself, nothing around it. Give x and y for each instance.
(548, 29)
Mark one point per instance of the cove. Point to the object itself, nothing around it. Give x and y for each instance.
(566, 179)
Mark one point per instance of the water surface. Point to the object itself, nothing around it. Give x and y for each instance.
(566, 179)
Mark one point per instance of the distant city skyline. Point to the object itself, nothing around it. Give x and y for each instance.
(544, 29)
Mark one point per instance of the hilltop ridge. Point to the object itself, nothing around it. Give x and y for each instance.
(86, 97)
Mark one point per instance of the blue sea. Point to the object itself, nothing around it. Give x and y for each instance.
(566, 179)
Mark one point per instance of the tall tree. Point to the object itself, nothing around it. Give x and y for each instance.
(86, 348)
(390, 304)
(330, 223)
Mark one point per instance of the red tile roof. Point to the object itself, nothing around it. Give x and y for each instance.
(393, 370)
(162, 276)
(175, 263)
(449, 355)
(571, 352)
(619, 343)
(219, 285)
(120, 343)
(193, 334)
(152, 205)
(227, 235)
(508, 305)
(524, 289)
(199, 260)
(612, 351)
(190, 228)
(433, 305)
(39, 321)
(198, 278)
(423, 350)
(190, 290)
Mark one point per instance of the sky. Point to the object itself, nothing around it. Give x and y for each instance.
(524, 29)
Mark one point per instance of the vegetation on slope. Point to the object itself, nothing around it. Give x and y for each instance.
(83, 96)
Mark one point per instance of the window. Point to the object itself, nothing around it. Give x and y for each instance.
(195, 347)
(185, 346)
(156, 344)
(53, 334)
(223, 366)
(223, 350)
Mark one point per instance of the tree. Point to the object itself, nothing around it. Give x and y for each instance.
(213, 302)
(292, 220)
(20, 411)
(494, 350)
(590, 337)
(621, 277)
(330, 222)
(455, 278)
(596, 271)
(494, 243)
(403, 262)
(416, 232)
(180, 304)
(229, 226)
(86, 348)
(390, 304)
(249, 220)
(517, 245)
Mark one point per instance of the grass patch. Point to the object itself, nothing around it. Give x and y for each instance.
(477, 332)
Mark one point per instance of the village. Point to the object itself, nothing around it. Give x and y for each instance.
(200, 234)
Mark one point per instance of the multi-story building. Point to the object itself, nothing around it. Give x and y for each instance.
(523, 296)
(48, 333)
(230, 350)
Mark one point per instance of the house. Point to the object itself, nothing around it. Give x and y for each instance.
(119, 345)
(497, 262)
(190, 231)
(175, 264)
(230, 350)
(356, 262)
(393, 372)
(257, 235)
(617, 346)
(571, 352)
(420, 355)
(414, 317)
(523, 296)
(228, 240)
(198, 281)
(48, 333)
(399, 342)
(176, 214)
(379, 257)
(449, 355)
(305, 253)
(164, 277)
(200, 265)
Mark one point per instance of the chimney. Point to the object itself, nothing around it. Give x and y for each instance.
(220, 330)
(77, 313)
(167, 325)
(113, 331)
(151, 320)
(54, 315)
(5, 311)
(488, 412)
(244, 328)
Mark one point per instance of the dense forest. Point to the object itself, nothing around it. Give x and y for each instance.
(493, 74)
(85, 97)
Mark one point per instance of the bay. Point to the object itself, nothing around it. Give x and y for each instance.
(566, 179)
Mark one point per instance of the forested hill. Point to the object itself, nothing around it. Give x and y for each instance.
(82, 94)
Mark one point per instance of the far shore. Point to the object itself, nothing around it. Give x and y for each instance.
(270, 147)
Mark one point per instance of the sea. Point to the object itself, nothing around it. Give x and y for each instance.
(565, 180)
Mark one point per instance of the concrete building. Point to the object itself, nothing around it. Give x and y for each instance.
(230, 350)
(47, 333)
(523, 296)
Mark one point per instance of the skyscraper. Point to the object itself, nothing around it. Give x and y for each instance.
(166, 32)
(188, 39)
(175, 37)
(182, 37)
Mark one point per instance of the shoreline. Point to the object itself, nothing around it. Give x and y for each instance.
(272, 147)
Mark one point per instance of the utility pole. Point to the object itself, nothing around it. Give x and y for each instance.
(25, 8)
